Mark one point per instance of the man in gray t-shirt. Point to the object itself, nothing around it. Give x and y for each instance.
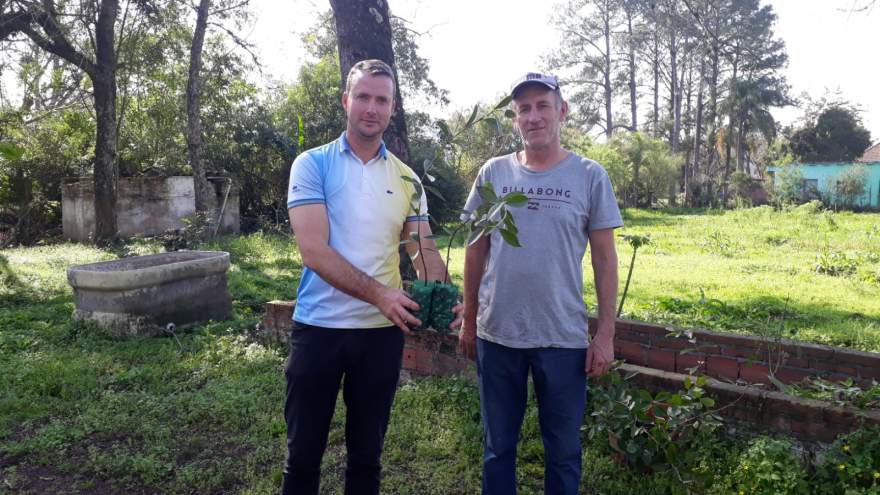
(524, 309)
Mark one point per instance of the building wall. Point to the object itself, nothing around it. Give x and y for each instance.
(826, 175)
(144, 206)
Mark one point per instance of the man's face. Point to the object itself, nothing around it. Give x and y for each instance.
(369, 105)
(538, 116)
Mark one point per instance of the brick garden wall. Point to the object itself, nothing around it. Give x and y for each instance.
(662, 361)
(740, 357)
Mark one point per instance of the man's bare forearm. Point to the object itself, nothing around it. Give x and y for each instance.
(603, 257)
(474, 266)
(341, 274)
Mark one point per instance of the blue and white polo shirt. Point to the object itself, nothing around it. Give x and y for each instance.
(367, 206)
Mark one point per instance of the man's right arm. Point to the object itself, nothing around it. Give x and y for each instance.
(474, 264)
(312, 230)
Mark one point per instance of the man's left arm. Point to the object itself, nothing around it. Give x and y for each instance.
(603, 257)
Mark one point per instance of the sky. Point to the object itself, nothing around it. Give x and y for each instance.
(476, 48)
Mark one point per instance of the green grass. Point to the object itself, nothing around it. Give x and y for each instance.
(750, 271)
(80, 410)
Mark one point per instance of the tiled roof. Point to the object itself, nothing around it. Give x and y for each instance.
(871, 154)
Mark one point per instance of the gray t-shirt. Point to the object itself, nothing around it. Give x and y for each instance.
(532, 296)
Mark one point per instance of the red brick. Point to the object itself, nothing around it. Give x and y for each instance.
(792, 375)
(631, 352)
(627, 336)
(840, 368)
(409, 358)
(650, 329)
(660, 359)
(726, 339)
(669, 343)
(795, 362)
(450, 365)
(754, 373)
(869, 372)
(743, 352)
(684, 362)
(722, 367)
(871, 359)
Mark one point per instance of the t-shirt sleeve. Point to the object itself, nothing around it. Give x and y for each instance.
(306, 185)
(474, 199)
(422, 215)
(604, 213)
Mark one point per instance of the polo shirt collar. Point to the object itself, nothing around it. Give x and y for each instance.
(344, 146)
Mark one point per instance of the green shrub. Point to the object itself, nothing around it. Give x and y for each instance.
(767, 467)
(851, 465)
(835, 263)
(649, 431)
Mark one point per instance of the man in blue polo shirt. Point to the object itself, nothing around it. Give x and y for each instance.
(349, 208)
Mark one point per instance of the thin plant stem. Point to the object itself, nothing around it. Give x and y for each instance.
(628, 277)
(448, 247)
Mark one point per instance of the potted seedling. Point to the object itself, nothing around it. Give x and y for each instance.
(436, 298)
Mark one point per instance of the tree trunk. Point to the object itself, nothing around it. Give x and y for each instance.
(698, 132)
(104, 83)
(363, 30)
(728, 137)
(634, 115)
(205, 196)
(712, 117)
(656, 63)
(609, 118)
(675, 102)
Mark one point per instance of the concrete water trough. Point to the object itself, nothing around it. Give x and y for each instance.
(142, 295)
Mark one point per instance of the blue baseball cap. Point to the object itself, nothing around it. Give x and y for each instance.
(549, 81)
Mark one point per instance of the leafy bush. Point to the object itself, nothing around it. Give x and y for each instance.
(835, 263)
(721, 244)
(811, 207)
(649, 431)
(767, 467)
(849, 187)
(851, 465)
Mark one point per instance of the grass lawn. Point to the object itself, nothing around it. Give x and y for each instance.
(81, 412)
(752, 271)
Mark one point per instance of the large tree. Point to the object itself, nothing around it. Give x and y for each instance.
(363, 29)
(50, 28)
(836, 136)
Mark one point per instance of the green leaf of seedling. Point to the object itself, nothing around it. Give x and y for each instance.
(436, 192)
(475, 235)
(503, 103)
(487, 190)
(445, 134)
(516, 199)
(707, 402)
(473, 116)
(510, 237)
(510, 114)
(427, 165)
(410, 179)
(492, 124)
(430, 177)
(509, 224)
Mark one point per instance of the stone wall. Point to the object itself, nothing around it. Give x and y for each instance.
(144, 206)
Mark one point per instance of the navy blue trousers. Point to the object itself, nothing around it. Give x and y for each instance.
(561, 390)
(366, 362)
